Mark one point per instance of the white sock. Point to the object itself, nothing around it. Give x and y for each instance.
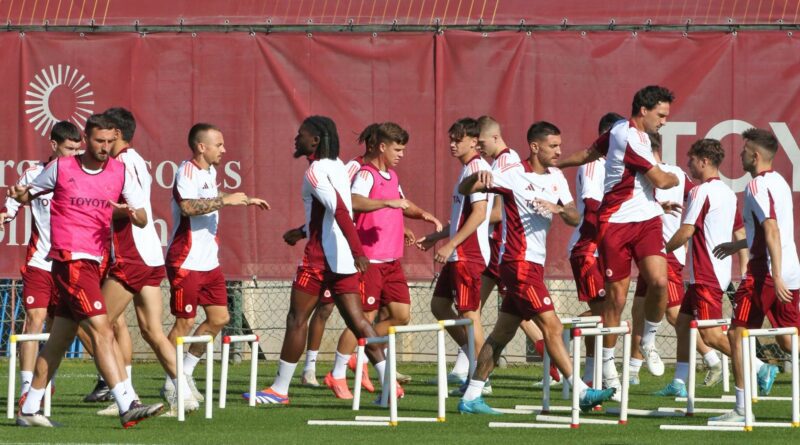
(169, 381)
(474, 390)
(129, 387)
(739, 400)
(381, 368)
(649, 334)
(588, 373)
(635, 365)
(129, 371)
(340, 366)
(123, 397)
(580, 386)
(284, 377)
(311, 361)
(711, 359)
(462, 362)
(757, 364)
(609, 368)
(190, 361)
(682, 372)
(25, 378)
(187, 392)
(33, 401)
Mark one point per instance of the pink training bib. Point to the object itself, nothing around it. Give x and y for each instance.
(381, 231)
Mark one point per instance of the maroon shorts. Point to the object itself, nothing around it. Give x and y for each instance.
(384, 283)
(318, 282)
(190, 288)
(526, 294)
(461, 282)
(622, 242)
(675, 287)
(136, 276)
(588, 278)
(703, 302)
(756, 297)
(79, 295)
(38, 288)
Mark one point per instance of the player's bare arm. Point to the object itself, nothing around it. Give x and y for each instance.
(363, 204)
(680, 237)
(579, 158)
(413, 211)
(476, 182)
(138, 217)
(474, 220)
(725, 249)
(20, 193)
(568, 213)
(661, 179)
(292, 236)
(772, 237)
(672, 208)
(497, 211)
(429, 240)
(744, 254)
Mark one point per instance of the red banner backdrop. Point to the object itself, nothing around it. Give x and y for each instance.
(402, 12)
(258, 88)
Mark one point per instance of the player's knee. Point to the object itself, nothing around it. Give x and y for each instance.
(324, 312)
(401, 319)
(34, 323)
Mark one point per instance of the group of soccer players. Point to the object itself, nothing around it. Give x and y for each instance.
(630, 206)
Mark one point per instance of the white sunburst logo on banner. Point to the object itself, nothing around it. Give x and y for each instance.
(58, 92)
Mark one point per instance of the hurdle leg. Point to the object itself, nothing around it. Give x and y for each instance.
(472, 354)
(181, 378)
(753, 374)
(726, 374)
(597, 382)
(441, 374)
(565, 388)
(576, 372)
(48, 398)
(223, 379)
(392, 376)
(748, 383)
(209, 377)
(546, 382)
(795, 384)
(692, 368)
(253, 369)
(359, 365)
(626, 375)
(12, 375)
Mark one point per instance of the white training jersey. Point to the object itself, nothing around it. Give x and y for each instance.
(589, 184)
(768, 196)
(526, 228)
(194, 244)
(326, 190)
(505, 158)
(353, 166)
(132, 244)
(39, 244)
(362, 184)
(711, 209)
(629, 195)
(671, 223)
(475, 247)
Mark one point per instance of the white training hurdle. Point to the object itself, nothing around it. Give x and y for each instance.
(569, 323)
(389, 385)
(226, 351)
(181, 377)
(690, 385)
(12, 372)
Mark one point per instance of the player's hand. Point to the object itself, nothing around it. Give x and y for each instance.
(362, 263)
(123, 207)
(3, 216)
(545, 208)
(724, 250)
(397, 204)
(260, 203)
(672, 208)
(781, 291)
(485, 178)
(432, 219)
(17, 191)
(444, 253)
(235, 199)
(291, 237)
(408, 236)
(425, 243)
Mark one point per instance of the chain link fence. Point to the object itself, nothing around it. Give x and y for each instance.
(260, 307)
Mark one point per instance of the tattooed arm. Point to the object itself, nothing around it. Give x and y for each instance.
(202, 206)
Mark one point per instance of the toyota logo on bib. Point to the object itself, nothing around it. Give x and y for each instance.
(370, 300)
(29, 299)
(98, 305)
(188, 308)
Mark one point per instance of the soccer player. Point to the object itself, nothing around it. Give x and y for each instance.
(86, 190)
(583, 243)
(773, 271)
(193, 268)
(380, 205)
(709, 220)
(532, 193)
(629, 218)
(38, 288)
(333, 255)
(466, 254)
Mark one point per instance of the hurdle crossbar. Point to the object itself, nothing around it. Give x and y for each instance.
(181, 377)
(226, 350)
(12, 372)
(694, 325)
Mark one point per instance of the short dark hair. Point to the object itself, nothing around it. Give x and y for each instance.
(385, 132)
(196, 132)
(650, 96)
(124, 121)
(100, 122)
(540, 130)
(63, 131)
(325, 129)
(466, 126)
(655, 141)
(710, 149)
(607, 121)
(763, 138)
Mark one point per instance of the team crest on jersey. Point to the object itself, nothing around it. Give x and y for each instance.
(370, 300)
(29, 299)
(188, 308)
(98, 305)
(326, 294)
